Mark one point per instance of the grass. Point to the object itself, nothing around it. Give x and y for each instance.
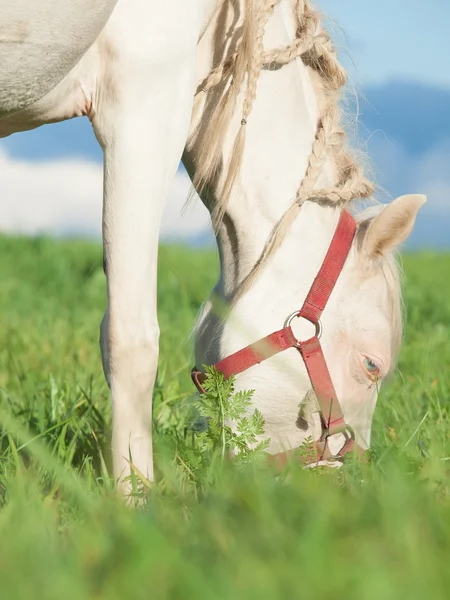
(208, 530)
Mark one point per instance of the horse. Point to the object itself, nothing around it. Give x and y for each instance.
(267, 151)
(246, 93)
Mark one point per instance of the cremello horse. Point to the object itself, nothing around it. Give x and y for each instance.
(265, 80)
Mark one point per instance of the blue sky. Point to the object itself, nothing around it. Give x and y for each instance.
(397, 54)
(395, 39)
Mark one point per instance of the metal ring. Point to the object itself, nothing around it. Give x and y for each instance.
(317, 324)
(349, 434)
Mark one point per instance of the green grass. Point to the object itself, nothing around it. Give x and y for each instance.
(380, 530)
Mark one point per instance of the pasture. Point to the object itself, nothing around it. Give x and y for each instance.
(207, 529)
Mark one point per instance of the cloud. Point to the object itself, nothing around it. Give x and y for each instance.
(433, 175)
(398, 173)
(51, 181)
(409, 147)
(64, 197)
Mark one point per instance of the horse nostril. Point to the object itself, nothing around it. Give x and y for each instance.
(302, 423)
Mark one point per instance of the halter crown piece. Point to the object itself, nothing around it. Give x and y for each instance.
(332, 417)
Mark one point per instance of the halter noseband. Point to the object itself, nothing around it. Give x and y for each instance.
(332, 417)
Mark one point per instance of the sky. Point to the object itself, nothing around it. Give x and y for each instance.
(397, 53)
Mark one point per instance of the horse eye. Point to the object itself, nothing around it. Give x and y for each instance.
(372, 368)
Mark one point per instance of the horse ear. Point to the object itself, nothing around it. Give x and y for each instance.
(392, 225)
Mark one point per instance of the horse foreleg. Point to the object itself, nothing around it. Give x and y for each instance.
(142, 123)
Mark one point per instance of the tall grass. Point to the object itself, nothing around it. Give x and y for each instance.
(207, 529)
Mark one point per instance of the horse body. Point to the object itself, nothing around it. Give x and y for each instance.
(133, 70)
(40, 43)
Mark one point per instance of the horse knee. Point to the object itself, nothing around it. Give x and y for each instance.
(132, 361)
(129, 356)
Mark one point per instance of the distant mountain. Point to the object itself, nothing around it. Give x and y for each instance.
(414, 114)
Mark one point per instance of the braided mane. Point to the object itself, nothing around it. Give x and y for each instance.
(312, 44)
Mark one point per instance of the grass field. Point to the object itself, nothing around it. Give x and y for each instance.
(207, 530)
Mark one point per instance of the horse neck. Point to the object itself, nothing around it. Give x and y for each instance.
(280, 132)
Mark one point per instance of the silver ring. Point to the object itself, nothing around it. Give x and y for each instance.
(317, 325)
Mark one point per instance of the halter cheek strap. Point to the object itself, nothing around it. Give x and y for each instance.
(332, 417)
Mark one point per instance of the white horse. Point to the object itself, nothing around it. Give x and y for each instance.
(134, 69)
(280, 214)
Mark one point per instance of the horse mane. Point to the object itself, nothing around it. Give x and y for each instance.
(241, 70)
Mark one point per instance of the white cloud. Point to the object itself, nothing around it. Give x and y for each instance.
(432, 175)
(65, 196)
(400, 173)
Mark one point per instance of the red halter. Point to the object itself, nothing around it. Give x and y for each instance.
(332, 417)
